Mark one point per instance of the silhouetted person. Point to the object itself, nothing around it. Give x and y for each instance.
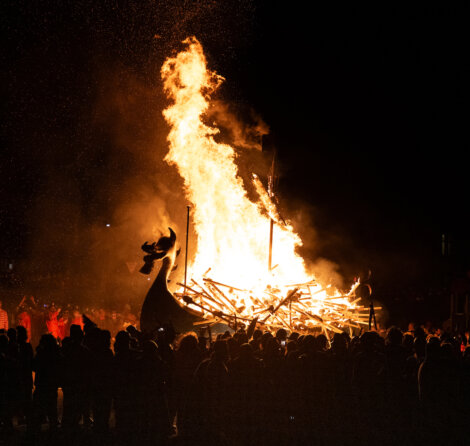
(315, 379)
(187, 358)
(246, 395)
(76, 371)
(14, 383)
(25, 373)
(47, 365)
(369, 384)
(399, 407)
(439, 392)
(255, 341)
(101, 374)
(429, 376)
(5, 373)
(153, 407)
(466, 382)
(340, 395)
(209, 393)
(125, 385)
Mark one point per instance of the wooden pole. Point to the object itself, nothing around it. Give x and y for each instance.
(271, 221)
(186, 253)
(270, 258)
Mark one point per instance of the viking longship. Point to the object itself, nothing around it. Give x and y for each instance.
(160, 308)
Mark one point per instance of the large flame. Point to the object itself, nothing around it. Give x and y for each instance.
(232, 231)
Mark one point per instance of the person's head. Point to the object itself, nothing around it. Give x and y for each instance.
(3, 343)
(257, 334)
(187, 343)
(11, 333)
(339, 344)
(281, 334)
(394, 336)
(21, 334)
(48, 343)
(265, 338)
(308, 344)
(272, 348)
(202, 342)
(242, 338)
(291, 346)
(368, 341)
(419, 345)
(407, 342)
(133, 331)
(122, 342)
(76, 333)
(419, 332)
(294, 336)
(104, 339)
(220, 350)
(433, 348)
(246, 352)
(168, 335)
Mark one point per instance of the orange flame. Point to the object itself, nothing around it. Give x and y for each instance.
(232, 231)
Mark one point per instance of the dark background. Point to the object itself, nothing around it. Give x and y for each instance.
(367, 109)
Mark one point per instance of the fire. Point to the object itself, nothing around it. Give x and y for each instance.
(233, 231)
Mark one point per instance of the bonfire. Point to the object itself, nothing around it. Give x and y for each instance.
(246, 268)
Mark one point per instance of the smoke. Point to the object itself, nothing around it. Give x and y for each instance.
(93, 214)
(91, 138)
(245, 131)
(301, 216)
(122, 194)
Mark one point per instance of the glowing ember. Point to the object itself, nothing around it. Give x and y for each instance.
(232, 231)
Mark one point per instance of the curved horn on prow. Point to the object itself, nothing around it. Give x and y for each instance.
(172, 236)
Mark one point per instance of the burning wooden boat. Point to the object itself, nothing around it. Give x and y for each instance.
(232, 279)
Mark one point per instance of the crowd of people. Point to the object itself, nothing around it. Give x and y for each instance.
(56, 318)
(237, 388)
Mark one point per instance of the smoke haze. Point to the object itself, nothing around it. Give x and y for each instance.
(92, 170)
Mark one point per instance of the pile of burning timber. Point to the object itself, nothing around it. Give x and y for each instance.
(298, 307)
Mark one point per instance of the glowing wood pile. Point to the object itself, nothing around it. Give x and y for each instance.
(298, 307)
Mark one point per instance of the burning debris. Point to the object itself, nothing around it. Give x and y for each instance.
(235, 234)
(304, 308)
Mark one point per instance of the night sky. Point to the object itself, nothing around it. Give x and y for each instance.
(367, 110)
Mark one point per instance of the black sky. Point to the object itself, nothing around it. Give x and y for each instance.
(367, 108)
